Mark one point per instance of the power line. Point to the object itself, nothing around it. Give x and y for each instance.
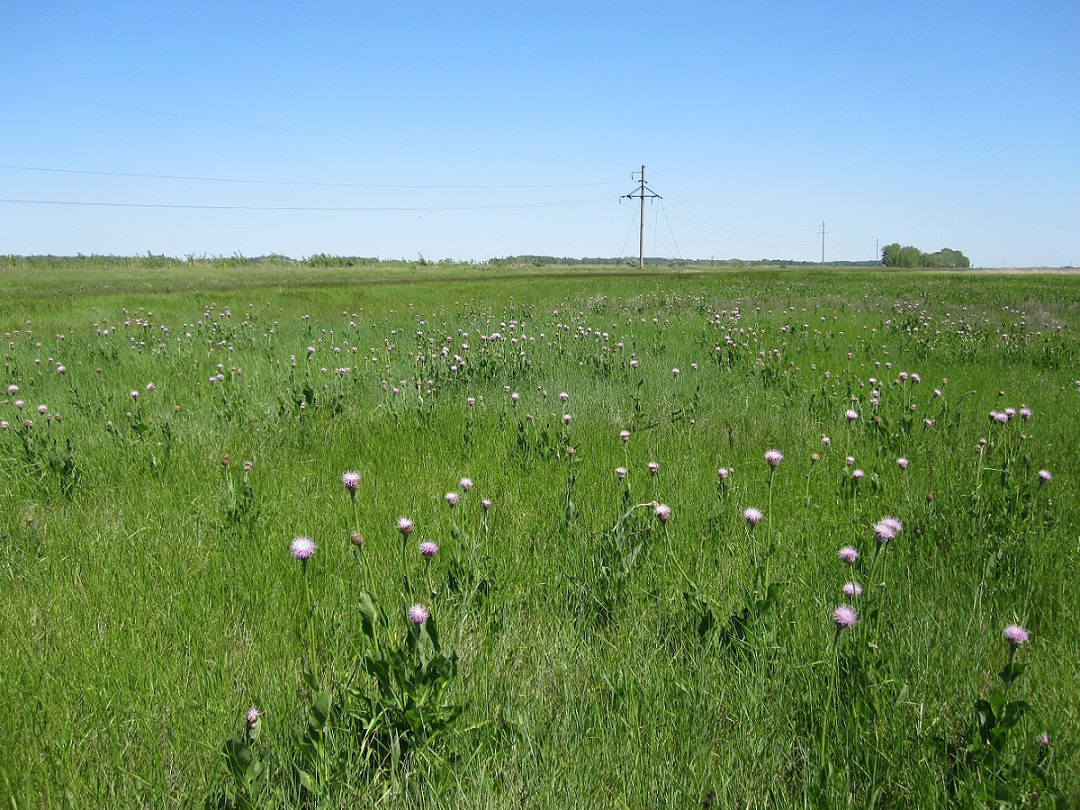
(293, 182)
(310, 208)
(297, 131)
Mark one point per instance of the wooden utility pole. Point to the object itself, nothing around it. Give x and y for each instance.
(642, 193)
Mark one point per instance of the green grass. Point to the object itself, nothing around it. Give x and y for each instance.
(151, 599)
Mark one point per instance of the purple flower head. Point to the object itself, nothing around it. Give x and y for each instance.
(825, 440)
(405, 526)
(1044, 476)
(662, 511)
(851, 414)
(252, 718)
(654, 467)
(857, 474)
(844, 616)
(428, 549)
(773, 457)
(752, 515)
(564, 396)
(848, 554)
(1025, 413)
(465, 484)
(723, 472)
(853, 589)
(1015, 635)
(566, 418)
(1043, 739)
(486, 503)
(134, 394)
(620, 472)
(452, 498)
(624, 435)
(418, 613)
(902, 463)
(351, 480)
(886, 529)
(302, 548)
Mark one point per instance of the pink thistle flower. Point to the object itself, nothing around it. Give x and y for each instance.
(1044, 476)
(928, 423)
(13, 389)
(302, 548)
(42, 408)
(851, 414)
(1025, 413)
(662, 511)
(465, 484)
(844, 616)
(624, 435)
(486, 503)
(886, 529)
(825, 440)
(857, 474)
(566, 418)
(564, 396)
(902, 463)
(351, 480)
(418, 613)
(848, 554)
(853, 589)
(723, 472)
(61, 370)
(428, 549)
(1015, 635)
(150, 386)
(654, 467)
(773, 457)
(405, 526)
(252, 718)
(752, 515)
(452, 498)
(134, 394)
(620, 472)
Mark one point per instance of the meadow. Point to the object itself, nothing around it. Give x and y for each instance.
(428, 537)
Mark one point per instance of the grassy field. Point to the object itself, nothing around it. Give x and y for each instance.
(592, 638)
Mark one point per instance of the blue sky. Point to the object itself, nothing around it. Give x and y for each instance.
(472, 130)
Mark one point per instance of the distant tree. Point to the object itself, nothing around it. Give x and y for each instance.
(895, 255)
(890, 255)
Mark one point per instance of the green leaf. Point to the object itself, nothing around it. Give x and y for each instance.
(320, 710)
(997, 703)
(432, 629)
(367, 614)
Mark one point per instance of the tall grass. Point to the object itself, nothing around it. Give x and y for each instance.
(580, 649)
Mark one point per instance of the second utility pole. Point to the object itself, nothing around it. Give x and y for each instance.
(643, 193)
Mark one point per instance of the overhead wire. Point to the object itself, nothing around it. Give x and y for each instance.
(554, 204)
(299, 131)
(295, 182)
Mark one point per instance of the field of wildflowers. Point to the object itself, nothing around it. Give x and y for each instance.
(784, 539)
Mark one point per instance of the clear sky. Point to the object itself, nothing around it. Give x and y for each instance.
(470, 130)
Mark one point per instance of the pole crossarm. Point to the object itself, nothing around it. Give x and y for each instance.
(643, 193)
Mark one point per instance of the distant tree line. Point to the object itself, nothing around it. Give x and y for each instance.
(896, 256)
(892, 256)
